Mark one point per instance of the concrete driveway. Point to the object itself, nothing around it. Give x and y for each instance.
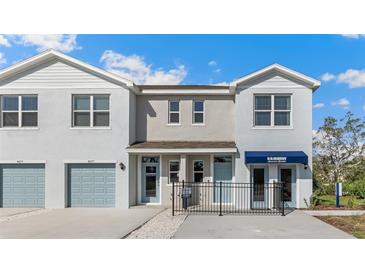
(8, 212)
(296, 225)
(77, 223)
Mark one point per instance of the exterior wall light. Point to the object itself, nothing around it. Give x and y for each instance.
(122, 166)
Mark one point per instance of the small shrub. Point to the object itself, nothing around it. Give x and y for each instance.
(356, 188)
(315, 200)
(351, 202)
(325, 189)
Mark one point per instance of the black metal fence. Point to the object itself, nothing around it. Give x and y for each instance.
(228, 198)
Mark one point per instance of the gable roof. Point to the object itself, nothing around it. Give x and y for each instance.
(53, 54)
(312, 83)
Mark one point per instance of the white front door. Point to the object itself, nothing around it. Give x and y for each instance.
(223, 173)
(150, 180)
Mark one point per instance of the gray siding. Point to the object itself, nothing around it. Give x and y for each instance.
(55, 74)
(275, 80)
(132, 120)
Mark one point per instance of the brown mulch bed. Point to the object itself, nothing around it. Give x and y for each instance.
(354, 225)
(333, 207)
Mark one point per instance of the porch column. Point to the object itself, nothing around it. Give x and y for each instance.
(273, 177)
(211, 177)
(139, 179)
(298, 185)
(183, 169)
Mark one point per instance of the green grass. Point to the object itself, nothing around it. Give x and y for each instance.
(359, 234)
(330, 200)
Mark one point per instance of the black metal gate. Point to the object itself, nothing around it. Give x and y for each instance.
(228, 198)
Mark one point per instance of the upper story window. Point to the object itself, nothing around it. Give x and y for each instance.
(272, 110)
(90, 111)
(174, 168)
(174, 112)
(19, 110)
(198, 112)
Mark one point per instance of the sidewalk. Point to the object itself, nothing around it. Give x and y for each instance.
(296, 225)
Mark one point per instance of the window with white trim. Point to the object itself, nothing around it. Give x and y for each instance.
(90, 110)
(272, 110)
(198, 171)
(174, 169)
(19, 111)
(174, 112)
(198, 112)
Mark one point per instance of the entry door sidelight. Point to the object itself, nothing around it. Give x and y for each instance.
(223, 173)
(150, 182)
(258, 190)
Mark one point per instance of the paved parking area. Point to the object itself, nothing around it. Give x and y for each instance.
(78, 223)
(296, 225)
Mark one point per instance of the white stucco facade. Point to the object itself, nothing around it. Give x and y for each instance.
(139, 114)
(296, 137)
(54, 141)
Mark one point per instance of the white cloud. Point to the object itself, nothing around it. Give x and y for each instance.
(327, 77)
(212, 63)
(222, 84)
(354, 78)
(2, 58)
(318, 105)
(133, 67)
(353, 36)
(363, 107)
(4, 41)
(61, 42)
(218, 70)
(343, 102)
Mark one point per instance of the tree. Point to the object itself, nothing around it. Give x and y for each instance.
(338, 147)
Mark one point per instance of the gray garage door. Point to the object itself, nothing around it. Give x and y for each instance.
(22, 185)
(91, 185)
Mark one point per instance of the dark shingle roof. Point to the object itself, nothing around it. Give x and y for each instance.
(182, 144)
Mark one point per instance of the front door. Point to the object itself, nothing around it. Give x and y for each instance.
(150, 180)
(223, 173)
(287, 177)
(259, 192)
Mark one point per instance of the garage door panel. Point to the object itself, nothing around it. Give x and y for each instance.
(100, 191)
(91, 185)
(22, 185)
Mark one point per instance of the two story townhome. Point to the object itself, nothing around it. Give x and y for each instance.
(73, 135)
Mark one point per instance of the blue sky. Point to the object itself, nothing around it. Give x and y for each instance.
(337, 60)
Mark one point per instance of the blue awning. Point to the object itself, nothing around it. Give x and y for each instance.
(264, 157)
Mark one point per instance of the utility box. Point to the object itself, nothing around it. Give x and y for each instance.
(186, 196)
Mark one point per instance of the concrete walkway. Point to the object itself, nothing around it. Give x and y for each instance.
(78, 223)
(296, 225)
